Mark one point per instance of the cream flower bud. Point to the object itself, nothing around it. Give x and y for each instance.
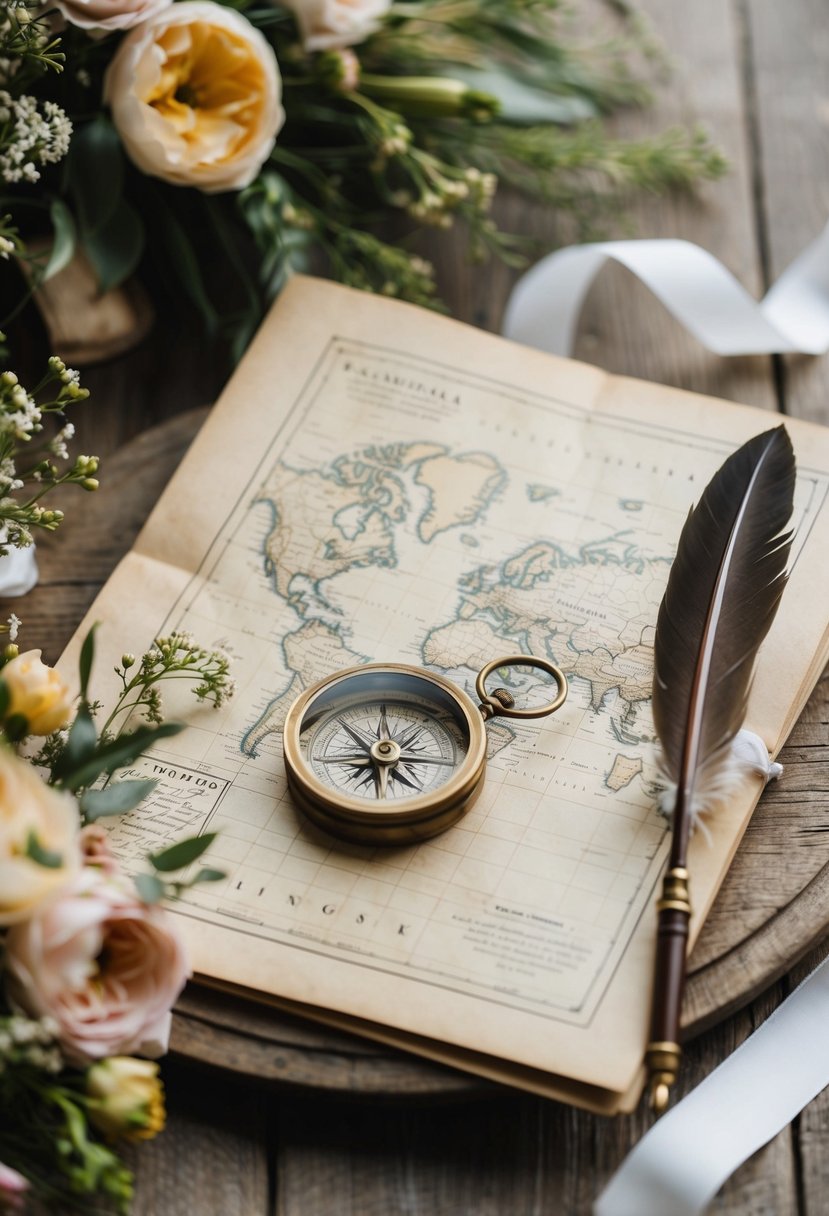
(126, 1098)
(37, 693)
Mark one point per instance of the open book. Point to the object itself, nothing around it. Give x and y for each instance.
(380, 483)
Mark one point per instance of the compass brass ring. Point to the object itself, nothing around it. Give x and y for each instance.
(522, 660)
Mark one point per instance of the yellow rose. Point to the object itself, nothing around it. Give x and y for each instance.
(37, 693)
(125, 1098)
(195, 94)
(39, 849)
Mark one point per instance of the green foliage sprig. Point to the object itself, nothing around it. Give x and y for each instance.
(415, 127)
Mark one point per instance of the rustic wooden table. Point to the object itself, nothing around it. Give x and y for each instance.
(753, 73)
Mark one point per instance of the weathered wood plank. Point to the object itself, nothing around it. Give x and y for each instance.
(790, 47)
(213, 1155)
(811, 1130)
(624, 329)
(523, 1156)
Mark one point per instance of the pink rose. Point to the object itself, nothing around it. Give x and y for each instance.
(13, 1188)
(104, 965)
(324, 24)
(109, 14)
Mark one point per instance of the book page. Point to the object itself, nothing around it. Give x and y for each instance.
(380, 484)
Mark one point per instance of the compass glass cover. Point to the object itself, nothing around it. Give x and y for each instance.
(384, 736)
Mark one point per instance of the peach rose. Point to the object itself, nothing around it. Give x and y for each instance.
(324, 24)
(37, 693)
(109, 14)
(104, 965)
(39, 850)
(195, 94)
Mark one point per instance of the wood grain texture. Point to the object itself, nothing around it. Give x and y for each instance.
(212, 1158)
(754, 72)
(788, 46)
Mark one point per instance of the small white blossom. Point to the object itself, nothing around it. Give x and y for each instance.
(34, 134)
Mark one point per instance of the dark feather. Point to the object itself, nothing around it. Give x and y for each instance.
(723, 591)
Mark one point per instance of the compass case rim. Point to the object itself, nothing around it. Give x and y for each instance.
(359, 820)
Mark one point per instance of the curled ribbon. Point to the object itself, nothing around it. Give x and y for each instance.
(544, 308)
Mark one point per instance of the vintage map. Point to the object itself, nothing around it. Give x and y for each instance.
(433, 535)
(440, 505)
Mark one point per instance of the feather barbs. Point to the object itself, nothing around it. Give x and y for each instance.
(722, 594)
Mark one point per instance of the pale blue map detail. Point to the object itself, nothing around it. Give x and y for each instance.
(590, 610)
(313, 648)
(329, 521)
(588, 607)
(623, 771)
(460, 489)
(538, 492)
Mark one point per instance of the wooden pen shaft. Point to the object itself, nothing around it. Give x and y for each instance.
(663, 1051)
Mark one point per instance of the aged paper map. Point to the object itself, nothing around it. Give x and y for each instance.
(378, 484)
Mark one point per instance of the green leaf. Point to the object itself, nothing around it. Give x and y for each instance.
(80, 744)
(180, 855)
(63, 246)
(150, 889)
(182, 262)
(116, 799)
(114, 249)
(113, 755)
(44, 857)
(96, 173)
(207, 875)
(5, 698)
(16, 727)
(85, 661)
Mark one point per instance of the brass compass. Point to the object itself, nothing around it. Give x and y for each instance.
(391, 754)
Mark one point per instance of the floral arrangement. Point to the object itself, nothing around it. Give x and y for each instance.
(30, 456)
(90, 963)
(240, 140)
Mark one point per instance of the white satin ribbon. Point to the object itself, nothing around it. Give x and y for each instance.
(545, 304)
(678, 1167)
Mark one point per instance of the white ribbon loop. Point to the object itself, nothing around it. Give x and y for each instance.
(678, 1167)
(545, 304)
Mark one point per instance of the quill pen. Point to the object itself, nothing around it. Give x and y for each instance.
(723, 591)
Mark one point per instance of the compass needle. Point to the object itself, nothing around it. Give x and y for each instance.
(383, 725)
(413, 784)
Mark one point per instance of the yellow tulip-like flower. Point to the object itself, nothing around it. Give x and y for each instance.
(195, 94)
(37, 693)
(125, 1098)
(39, 848)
